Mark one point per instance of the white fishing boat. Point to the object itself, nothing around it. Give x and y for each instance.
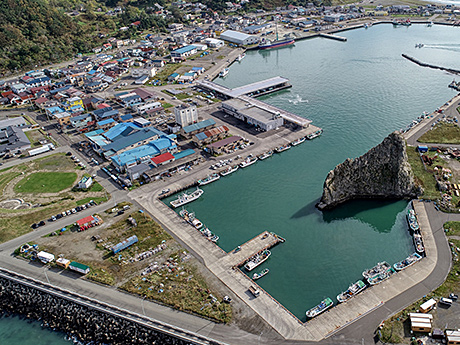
(224, 72)
(210, 178)
(314, 134)
(257, 259)
(409, 261)
(265, 155)
(229, 170)
(185, 198)
(240, 57)
(298, 141)
(256, 276)
(248, 161)
(323, 306)
(352, 290)
(282, 148)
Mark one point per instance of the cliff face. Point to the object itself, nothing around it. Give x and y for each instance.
(382, 172)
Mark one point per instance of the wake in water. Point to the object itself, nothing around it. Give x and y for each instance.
(450, 47)
(297, 100)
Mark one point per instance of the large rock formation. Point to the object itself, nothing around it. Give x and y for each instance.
(382, 172)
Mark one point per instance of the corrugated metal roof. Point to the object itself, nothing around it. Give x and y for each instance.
(199, 125)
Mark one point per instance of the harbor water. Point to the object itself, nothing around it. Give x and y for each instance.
(358, 91)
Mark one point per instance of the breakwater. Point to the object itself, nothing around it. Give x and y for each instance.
(85, 319)
(423, 64)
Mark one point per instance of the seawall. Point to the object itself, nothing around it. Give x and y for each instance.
(83, 318)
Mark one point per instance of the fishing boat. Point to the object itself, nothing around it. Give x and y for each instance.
(324, 305)
(314, 134)
(185, 198)
(376, 270)
(256, 276)
(248, 161)
(298, 141)
(352, 290)
(376, 279)
(209, 235)
(265, 155)
(281, 239)
(257, 259)
(190, 218)
(430, 24)
(412, 220)
(210, 178)
(224, 72)
(418, 243)
(282, 148)
(240, 57)
(409, 261)
(229, 170)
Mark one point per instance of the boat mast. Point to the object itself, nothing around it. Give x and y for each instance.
(276, 27)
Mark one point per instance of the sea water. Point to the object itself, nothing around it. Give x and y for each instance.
(358, 91)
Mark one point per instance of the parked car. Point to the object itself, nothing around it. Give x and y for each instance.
(69, 153)
(64, 214)
(453, 297)
(42, 222)
(34, 226)
(53, 218)
(120, 212)
(446, 301)
(73, 210)
(69, 212)
(78, 208)
(83, 207)
(59, 216)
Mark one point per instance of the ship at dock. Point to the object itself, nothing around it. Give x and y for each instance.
(409, 261)
(209, 235)
(210, 178)
(265, 155)
(257, 259)
(224, 72)
(189, 217)
(298, 141)
(267, 44)
(352, 290)
(256, 276)
(240, 57)
(229, 170)
(315, 134)
(323, 306)
(185, 198)
(378, 273)
(412, 220)
(418, 242)
(248, 161)
(282, 148)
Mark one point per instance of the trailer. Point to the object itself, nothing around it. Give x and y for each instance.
(124, 244)
(45, 257)
(78, 267)
(44, 148)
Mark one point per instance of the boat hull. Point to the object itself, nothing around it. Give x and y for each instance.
(278, 44)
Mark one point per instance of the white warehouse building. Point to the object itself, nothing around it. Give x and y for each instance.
(239, 38)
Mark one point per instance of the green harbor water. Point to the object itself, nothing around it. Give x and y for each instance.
(358, 91)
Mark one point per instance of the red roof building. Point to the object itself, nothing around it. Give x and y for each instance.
(86, 221)
(163, 159)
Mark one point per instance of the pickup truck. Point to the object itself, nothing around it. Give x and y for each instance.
(255, 292)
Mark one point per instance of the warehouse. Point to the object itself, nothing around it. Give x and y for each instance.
(239, 38)
(253, 114)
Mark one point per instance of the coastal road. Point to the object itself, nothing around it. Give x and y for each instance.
(363, 328)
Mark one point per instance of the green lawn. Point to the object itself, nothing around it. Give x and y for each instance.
(442, 133)
(422, 177)
(96, 199)
(46, 182)
(453, 228)
(58, 161)
(5, 178)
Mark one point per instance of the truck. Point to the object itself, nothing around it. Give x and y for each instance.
(255, 292)
(38, 150)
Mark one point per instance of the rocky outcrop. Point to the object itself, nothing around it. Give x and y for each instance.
(382, 172)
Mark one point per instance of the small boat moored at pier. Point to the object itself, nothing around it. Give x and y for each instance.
(186, 198)
(412, 220)
(418, 242)
(257, 259)
(229, 170)
(265, 155)
(352, 290)
(314, 134)
(240, 57)
(378, 273)
(224, 72)
(409, 261)
(323, 306)
(190, 218)
(210, 178)
(298, 141)
(256, 276)
(282, 148)
(248, 161)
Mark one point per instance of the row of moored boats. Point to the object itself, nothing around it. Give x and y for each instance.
(380, 272)
(190, 218)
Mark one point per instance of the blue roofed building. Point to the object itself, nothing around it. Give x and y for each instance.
(184, 52)
(106, 124)
(173, 77)
(189, 131)
(143, 153)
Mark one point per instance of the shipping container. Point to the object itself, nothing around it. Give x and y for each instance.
(125, 244)
(78, 267)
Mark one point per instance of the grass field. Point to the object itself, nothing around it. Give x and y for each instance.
(58, 161)
(442, 133)
(5, 178)
(422, 177)
(453, 228)
(46, 182)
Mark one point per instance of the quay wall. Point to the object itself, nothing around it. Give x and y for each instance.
(85, 319)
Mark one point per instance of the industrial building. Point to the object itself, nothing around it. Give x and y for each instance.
(225, 145)
(239, 38)
(188, 131)
(254, 114)
(185, 114)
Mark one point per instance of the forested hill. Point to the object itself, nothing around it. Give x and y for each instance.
(34, 32)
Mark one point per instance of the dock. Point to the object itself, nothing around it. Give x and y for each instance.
(263, 87)
(333, 37)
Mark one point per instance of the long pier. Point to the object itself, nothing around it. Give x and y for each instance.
(333, 37)
(423, 64)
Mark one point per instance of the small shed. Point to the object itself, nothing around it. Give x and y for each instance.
(453, 337)
(64, 263)
(78, 267)
(428, 305)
